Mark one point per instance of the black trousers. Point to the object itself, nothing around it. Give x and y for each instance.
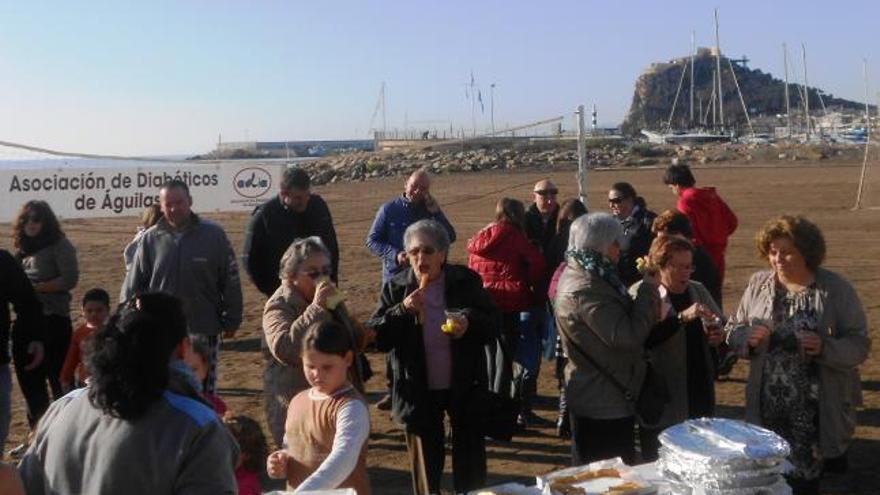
(58, 334)
(597, 439)
(427, 451)
(649, 443)
(32, 384)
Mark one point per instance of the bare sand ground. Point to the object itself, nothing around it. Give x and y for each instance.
(756, 193)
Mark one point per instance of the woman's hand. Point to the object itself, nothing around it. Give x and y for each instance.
(323, 291)
(811, 343)
(694, 311)
(714, 336)
(758, 335)
(276, 465)
(415, 301)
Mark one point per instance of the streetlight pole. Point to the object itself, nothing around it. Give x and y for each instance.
(492, 106)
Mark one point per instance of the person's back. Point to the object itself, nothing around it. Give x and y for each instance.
(140, 426)
(711, 219)
(177, 446)
(508, 264)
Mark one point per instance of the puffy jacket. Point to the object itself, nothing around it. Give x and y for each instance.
(711, 219)
(508, 263)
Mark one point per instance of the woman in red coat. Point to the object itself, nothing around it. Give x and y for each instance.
(510, 267)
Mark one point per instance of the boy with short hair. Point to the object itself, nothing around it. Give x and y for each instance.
(95, 310)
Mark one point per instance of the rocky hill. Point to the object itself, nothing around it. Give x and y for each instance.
(764, 95)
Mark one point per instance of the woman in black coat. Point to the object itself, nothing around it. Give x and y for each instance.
(434, 320)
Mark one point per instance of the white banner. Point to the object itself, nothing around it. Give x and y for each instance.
(126, 191)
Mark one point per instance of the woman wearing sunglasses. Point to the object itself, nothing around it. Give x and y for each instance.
(49, 260)
(306, 296)
(438, 369)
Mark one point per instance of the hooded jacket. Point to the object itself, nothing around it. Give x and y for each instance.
(711, 220)
(508, 263)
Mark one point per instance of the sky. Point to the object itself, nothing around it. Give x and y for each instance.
(173, 77)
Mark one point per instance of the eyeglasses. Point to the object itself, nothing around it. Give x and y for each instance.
(547, 192)
(426, 250)
(681, 268)
(616, 201)
(316, 274)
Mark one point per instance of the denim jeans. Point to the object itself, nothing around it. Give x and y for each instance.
(5, 404)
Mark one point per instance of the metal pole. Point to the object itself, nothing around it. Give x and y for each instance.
(787, 99)
(492, 105)
(693, 54)
(718, 70)
(582, 155)
(867, 139)
(806, 91)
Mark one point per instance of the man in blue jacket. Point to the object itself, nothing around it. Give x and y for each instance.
(385, 239)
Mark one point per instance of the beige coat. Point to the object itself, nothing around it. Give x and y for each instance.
(612, 328)
(286, 317)
(845, 345)
(670, 360)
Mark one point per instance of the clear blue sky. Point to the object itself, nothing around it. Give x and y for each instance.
(169, 76)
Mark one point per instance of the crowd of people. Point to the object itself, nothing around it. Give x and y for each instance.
(625, 302)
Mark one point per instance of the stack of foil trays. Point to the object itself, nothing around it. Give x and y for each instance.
(715, 456)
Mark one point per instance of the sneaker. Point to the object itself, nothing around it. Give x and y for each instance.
(384, 403)
(19, 451)
(532, 419)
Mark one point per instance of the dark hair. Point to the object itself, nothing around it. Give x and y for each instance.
(175, 184)
(128, 359)
(625, 188)
(98, 295)
(679, 175)
(50, 232)
(804, 234)
(672, 222)
(251, 440)
(295, 178)
(568, 211)
(511, 211)
(151, 215)
(328, 338)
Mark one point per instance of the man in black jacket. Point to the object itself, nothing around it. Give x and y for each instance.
(540, 225)
(295, 213)
(27, 338)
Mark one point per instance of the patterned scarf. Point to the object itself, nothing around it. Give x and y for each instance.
(599, 264)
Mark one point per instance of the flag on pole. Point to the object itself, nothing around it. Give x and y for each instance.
(480, 99)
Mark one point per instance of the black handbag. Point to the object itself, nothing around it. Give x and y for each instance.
(653, 396)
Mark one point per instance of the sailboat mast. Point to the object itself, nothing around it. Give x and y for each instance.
(693, 53)
(806, 90)
(718, 73)
(714, 101)
(787, 99)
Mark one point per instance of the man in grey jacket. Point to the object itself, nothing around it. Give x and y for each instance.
(190, 257)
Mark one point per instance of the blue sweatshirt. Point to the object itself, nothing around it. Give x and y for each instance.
(385, 239)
